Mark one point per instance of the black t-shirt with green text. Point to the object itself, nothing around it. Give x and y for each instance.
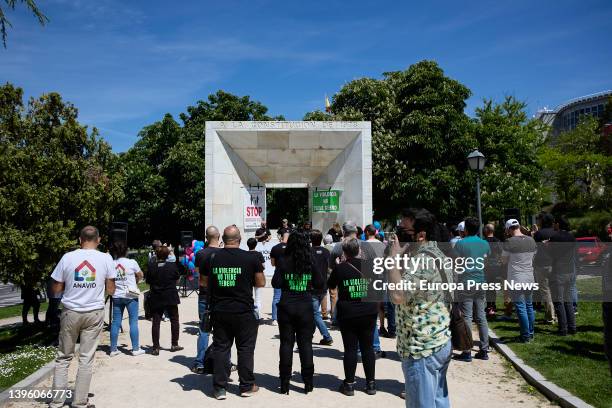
(355, 292)
(295, 287)
(231, 277)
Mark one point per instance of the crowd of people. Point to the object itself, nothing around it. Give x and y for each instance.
(309, 266)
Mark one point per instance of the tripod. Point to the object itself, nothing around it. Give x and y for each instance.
(185, 290)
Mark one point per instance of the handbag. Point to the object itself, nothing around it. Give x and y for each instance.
(461, 333)
(206, 318)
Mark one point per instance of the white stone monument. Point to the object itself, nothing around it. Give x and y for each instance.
(313, 155)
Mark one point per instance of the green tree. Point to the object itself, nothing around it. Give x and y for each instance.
(577, 167)
(421, 138)
(164, 183)
(5, 24)
(511, 143)
(55, 177)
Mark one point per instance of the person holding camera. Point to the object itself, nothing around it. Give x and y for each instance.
(423, 316)
(162, 277)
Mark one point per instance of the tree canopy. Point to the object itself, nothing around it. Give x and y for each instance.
(164, 171)
(578, 167)
(5, 23)
(55, 177)
(421, 138)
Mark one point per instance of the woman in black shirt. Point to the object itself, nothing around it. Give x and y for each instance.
(163, 295)
(356, 317)
(294, 276)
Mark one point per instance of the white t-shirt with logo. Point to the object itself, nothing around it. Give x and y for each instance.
(126, 276)
(84, 272)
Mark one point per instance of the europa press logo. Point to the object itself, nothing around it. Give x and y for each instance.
(85, 272)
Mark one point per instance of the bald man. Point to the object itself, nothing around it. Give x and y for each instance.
(230, 275)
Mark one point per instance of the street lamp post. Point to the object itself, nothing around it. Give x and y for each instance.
(476, 160)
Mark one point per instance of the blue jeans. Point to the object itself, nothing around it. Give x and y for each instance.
(119, 304)
(316, 307)
(202, 337)
(524, 311)
(425, 379)
(376, 339)
(275, 300)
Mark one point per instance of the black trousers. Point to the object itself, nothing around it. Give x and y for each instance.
(157, 314)
(296, 323)
(607, 321)
(227, 327)
(358, 331)
(30, 300)
(561, 292)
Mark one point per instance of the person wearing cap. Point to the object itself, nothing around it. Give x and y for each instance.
(459, 233)
(518, 253)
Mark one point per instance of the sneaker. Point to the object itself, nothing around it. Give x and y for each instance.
(219, 394)
(347, 389)
(176, 348)
(465, 356)
(482, 355)
(138, 352)
(370, 388)
(197, 369)
(233, 367)
(249, 392)
(273, 323)
(114, 353)
(326, 342)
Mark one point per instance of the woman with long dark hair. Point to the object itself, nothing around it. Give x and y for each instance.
(162, 278)
(296, 277)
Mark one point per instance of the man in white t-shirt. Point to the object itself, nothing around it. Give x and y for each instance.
(82, 275)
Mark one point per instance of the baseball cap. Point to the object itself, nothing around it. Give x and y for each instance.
(512, 223)
(349, 226)
(461, 226)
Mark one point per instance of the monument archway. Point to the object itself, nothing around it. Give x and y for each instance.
(322, 156)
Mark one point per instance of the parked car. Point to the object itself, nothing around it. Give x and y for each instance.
(590, 251)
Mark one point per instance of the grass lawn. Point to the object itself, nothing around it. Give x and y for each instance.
(23, 350)
(576, 363)
(12, 311)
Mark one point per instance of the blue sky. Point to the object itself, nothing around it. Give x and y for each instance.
(125, 64)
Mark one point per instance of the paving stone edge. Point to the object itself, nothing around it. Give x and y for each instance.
(534, 378)
(30, 381)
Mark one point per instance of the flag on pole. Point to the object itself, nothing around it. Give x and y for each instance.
(327, 104)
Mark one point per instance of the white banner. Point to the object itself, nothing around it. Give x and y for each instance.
(254, 207)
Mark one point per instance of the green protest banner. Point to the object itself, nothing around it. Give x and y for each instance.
(326, 201)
